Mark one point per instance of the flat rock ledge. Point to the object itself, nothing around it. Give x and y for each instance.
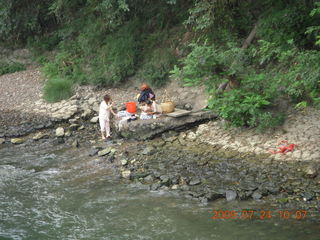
(146, 129)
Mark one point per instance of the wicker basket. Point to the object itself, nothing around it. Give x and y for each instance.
(167, 105)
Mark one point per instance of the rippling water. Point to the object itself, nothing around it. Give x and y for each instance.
(63, 194)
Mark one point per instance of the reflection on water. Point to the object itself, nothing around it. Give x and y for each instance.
(66, 195)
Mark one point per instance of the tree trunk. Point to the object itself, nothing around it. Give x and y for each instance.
(251, 36)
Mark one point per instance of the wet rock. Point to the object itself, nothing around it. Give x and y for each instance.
(2, 140)
(155, 186)
(194, 181)
(124, 162)
(148, 179)
(165, 180)
(126, 173)
(256, 195)
(40, 135)
(94, 119)
(307, 196)
(104, 152)
(311, 171)
(17, 140)
(231, 195)
(60, 132)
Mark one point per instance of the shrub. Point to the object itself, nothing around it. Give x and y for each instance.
(57, 89)
(11, 67)
(156, 68)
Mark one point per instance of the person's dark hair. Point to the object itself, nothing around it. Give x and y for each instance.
(149, 102)
(106, 98)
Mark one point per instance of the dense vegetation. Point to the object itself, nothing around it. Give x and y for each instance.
(104, 42)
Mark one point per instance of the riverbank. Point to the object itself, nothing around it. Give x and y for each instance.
(204, 163)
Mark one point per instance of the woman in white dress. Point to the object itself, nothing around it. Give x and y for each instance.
(104, 116)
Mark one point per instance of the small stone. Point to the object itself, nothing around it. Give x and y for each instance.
(175, 187)
(307, 196)
(124, 162)
(126, 174)
(194, 181)
(17, 140)
(2, 140)
(155, 186)
(256, 195)
(94, 119)
(231, 195)
(311, 171)
(191, 136)
(104, 152)
(39, 136)
(81, 127)
(60, 132)
(67, 133)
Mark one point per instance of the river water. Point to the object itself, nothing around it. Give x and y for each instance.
(63, 194)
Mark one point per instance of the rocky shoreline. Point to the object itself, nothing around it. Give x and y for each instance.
(183, 163)
(205, 162)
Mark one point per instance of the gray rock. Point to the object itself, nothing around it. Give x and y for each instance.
(256, 195)
(148, 178)
(165, 179)
(92, 100)
(194, 181)
(155, 186)
(307, 196)
(94, 119)
(231, 195)
(2, 140)
(104, 152)
(60, 132)
(311, 171)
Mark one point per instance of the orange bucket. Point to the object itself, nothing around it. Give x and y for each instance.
(131, 107)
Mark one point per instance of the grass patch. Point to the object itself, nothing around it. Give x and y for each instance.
(6, 68)
(57, 89)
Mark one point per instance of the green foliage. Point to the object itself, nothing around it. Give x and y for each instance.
(57, 89)
(243, 108)
(314, 31)
(208, 64)
(11, 67)
(156, 68)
